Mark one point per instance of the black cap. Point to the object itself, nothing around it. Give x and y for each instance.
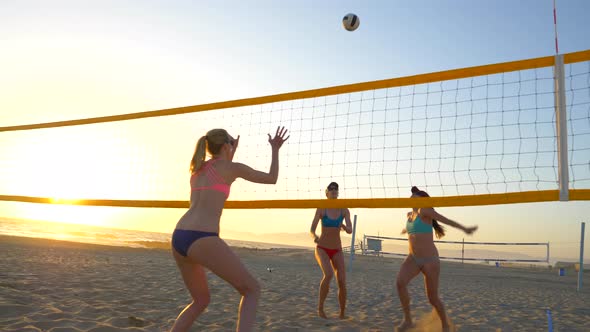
(333, 184)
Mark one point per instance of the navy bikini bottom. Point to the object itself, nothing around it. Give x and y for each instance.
(183, 238)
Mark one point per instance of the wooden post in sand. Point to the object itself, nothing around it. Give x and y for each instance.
(581, 269)
(352, 245)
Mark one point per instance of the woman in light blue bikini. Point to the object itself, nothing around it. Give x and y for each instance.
(195, 242)
(423, 257)
(328, 252)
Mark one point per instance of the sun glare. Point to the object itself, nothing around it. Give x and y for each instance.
(72, 214)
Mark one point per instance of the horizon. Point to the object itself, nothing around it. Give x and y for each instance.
(279, 240)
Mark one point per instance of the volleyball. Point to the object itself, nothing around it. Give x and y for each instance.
(350, 22)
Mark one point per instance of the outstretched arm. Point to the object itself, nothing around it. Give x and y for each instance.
(314, 225)
(249, 174)
(439, 217)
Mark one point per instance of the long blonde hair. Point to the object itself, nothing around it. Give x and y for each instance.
(212, 143)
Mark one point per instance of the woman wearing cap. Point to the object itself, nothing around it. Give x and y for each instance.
(328, 252)
(423, 257)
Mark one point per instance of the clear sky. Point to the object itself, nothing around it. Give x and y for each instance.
(70, 59)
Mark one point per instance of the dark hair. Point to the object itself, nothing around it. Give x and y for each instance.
(438, 229)
(332, 184)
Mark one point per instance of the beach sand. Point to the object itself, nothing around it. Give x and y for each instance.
(49, 285)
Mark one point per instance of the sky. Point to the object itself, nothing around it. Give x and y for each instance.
(70, 59)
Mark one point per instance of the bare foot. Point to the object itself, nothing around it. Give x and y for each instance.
(321, 313)
(404, 326)
(343, 316)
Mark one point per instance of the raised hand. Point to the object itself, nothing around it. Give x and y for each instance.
(234, 146)
(236, 142)
(470, 230)
(277, 141)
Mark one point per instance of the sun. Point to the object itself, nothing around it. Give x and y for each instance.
(67, 165)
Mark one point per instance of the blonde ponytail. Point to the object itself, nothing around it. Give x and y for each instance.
(199, 155)
(211, 143)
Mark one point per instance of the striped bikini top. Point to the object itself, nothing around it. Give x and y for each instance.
(217, 183)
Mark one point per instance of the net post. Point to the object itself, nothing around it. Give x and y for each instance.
(581, 269)
(547, 252)
(561, 128)
(352, 245)
(463, 251)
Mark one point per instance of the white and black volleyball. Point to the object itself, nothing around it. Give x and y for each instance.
(350, 22)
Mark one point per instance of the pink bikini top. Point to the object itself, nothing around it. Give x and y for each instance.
(217, 182)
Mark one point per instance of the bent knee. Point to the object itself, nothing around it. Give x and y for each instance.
(328, 276)
(399, 283)
(202, 301)
(251, 288)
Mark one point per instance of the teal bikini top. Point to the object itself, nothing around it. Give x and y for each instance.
(328, 222)
(418, 226)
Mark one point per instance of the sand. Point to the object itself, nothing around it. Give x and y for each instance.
(48, 285)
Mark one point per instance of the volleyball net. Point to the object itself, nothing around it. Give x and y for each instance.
(495, 134)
